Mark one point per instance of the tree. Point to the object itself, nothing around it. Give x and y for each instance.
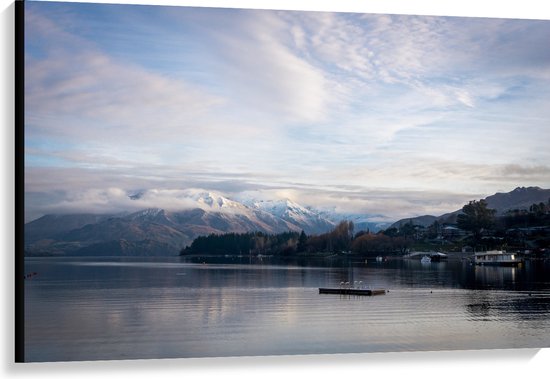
(407, 230)
(434, 229)
(342, 235)
(302, 242)
(476, 218)
(391, 232)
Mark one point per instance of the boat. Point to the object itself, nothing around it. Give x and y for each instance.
(496, 258)
(425, 259)
(379, 259)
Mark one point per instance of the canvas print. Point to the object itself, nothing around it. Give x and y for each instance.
(210, 182)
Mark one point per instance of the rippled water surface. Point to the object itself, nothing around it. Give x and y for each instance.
(123, 308)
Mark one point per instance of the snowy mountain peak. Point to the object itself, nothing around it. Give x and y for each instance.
(278, 207)
(209, 200)
(293, 213)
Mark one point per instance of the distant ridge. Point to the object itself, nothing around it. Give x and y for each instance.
(156, 231)
(519, 198)
(420, 220)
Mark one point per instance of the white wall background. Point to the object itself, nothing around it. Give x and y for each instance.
(493, 363)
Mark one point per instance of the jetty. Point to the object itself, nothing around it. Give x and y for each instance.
(352, 291)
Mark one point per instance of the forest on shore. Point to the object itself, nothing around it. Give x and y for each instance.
(476, 227)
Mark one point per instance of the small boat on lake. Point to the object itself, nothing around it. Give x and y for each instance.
(426, 259)
(496, 258)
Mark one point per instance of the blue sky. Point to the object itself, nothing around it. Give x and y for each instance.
(374, 114)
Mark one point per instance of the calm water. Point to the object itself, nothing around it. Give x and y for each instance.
(125, 308)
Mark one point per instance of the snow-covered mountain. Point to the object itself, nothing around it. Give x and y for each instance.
(185, 199)
(213, 201)
(164, 231)
(304, 218)
(156, 231)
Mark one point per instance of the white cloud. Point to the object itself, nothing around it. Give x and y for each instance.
(267, 75)
(291, 103)
(112, 200)
(80, 93)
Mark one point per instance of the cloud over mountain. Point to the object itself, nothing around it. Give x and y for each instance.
(379, 114)
(156, 231)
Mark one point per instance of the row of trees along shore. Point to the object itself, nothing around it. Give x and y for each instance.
(477, 227)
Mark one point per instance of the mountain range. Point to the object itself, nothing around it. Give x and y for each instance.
(520, 198)
(158, 232)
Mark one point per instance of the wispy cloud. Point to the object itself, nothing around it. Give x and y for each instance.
(331, 109)
(78, 92)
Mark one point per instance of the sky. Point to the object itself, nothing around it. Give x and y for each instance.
(387, 115)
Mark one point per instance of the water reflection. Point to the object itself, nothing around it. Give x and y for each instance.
(495, 276)
(531, 275)
(518, 307)
(160, 308)
(202, 272)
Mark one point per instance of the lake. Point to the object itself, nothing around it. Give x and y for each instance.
(133, 308)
